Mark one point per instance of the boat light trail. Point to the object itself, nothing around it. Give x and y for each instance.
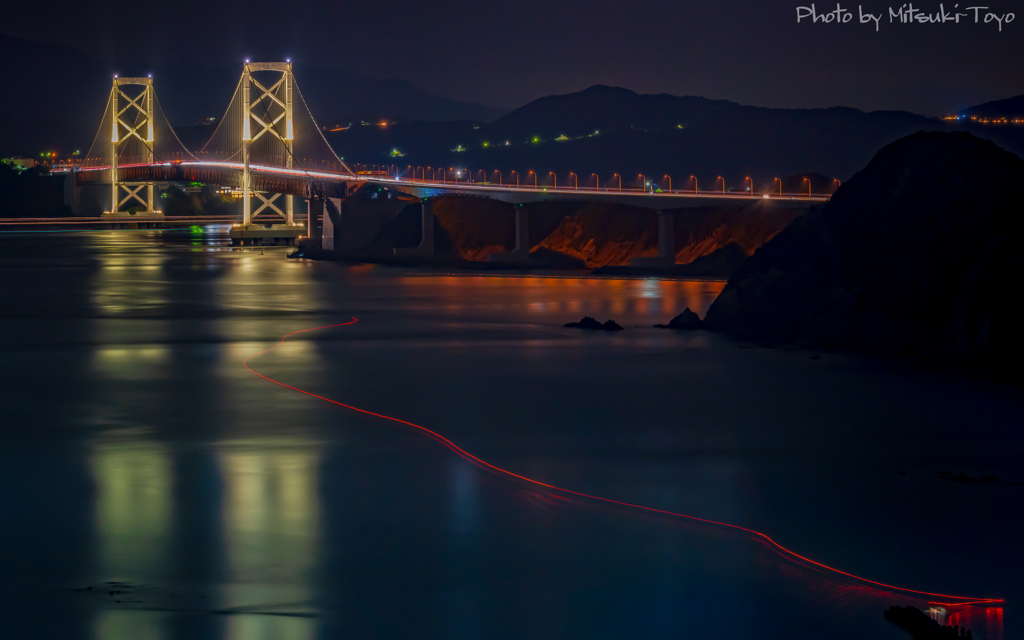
(469, 456)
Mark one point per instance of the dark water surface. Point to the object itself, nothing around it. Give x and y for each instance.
(136, 449)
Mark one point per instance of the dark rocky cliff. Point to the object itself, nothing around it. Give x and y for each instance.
(918, 254)
(593, 235)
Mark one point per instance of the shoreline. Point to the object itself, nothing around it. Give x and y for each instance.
(672, 272)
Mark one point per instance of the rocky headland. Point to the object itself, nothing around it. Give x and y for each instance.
(916, 255)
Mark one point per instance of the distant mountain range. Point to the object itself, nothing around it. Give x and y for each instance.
(57, 96)
(1008, 108)
(610, 130)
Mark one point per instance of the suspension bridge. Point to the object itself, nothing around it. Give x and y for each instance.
(268, 147)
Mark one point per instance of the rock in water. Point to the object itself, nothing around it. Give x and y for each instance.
(687, 320)
(915, 255)
(586, 323)
(590, 323)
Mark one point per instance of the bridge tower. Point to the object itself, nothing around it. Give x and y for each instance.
(275, 98)
(130, 123)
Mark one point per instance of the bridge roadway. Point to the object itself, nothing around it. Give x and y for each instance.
(298, 182)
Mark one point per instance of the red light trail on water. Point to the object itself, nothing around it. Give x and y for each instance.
(468, 456)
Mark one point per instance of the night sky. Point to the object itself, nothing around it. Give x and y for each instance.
(508, 53)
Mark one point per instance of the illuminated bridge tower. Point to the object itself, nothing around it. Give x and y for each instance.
(131, 142)
(272, 106)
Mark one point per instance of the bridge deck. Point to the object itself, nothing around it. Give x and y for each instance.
(298, 182)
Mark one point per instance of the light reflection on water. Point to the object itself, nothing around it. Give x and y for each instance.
(615, 298)
(270, 510)
(161, 337)
(271, 534)
(131, 363)
(271, 517)
(979, 617)
(133, 507)
(129, 284)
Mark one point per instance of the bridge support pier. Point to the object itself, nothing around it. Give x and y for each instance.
(426, 245)
(250, 232)
(72, 193)
(314, 220)
(522, 251)
(666, 244)
(331, 223)
(132, 190)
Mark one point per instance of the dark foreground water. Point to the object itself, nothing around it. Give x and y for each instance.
(136, 450)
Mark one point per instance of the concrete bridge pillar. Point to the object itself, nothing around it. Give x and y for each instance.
(314, 214)
(426, 245)
(666, 243)
(72, 192)
(522, 251)
(332, 223)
